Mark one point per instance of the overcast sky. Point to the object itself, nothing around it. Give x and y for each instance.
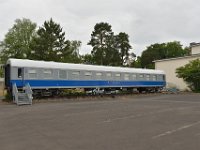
(145, 21)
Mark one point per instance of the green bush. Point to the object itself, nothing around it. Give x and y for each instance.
(8, 97)
(191, 74)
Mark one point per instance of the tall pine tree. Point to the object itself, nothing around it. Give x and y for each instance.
(123, 46)
(102, 41)
(51, 45)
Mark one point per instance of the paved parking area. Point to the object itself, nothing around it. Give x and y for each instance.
(142, 122)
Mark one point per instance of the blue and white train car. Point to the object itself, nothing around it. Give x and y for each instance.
(53, 76)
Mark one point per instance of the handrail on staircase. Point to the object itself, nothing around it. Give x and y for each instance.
(15, 93)
(29, 92)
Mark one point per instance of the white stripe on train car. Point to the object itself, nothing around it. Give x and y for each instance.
(57, 65)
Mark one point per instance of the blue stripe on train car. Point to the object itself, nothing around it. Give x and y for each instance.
(86, 83)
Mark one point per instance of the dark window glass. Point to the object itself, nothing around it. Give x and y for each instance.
(19, 72)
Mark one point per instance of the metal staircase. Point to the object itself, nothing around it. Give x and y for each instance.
(23, 97)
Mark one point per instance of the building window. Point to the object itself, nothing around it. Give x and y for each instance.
(32, 73)
(48, 73)
(126, 77)
(62, 74)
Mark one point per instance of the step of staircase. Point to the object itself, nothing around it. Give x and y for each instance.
(23, 99)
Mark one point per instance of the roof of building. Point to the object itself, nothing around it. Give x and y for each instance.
(168, 59)
(194, 44)
(58, 65)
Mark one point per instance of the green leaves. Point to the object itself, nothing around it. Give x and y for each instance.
(101, 42)
(191, 74)
(50, 41)
(47, 43)
(17, 41)
(109, 49)
(162, 51)
(123, 46)
(51, 45)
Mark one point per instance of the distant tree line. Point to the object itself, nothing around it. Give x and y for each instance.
(27, 41)
(47, 43)
(160, 51)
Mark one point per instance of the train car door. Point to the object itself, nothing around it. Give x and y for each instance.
(7, 76)
(20, 74)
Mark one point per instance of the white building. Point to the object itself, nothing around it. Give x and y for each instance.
(170, 66)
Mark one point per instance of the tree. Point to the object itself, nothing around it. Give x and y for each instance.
(103, 43)
(191, 74)
(175, 49)
(153, 52)
(87, 59)
(71, 54)
(123, 46)
(18, 40)
(51, 45)
(137, 63)
(162, 51)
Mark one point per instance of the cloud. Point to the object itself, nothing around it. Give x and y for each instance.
(146, 21)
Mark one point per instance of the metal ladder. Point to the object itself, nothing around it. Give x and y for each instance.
(23, 97)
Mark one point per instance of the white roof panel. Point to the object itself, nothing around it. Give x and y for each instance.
(58, 65)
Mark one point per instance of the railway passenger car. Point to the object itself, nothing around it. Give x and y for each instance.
(54, 76)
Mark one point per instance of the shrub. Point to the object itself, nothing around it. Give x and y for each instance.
(8, 97)
(191, 74)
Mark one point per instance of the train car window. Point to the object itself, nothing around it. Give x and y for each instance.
(109, 75)
(117, 76)
(141, 76)
(160, 77)
(76, 74)
(126, 77)
(99, 75)
(164, 78)
(19, 72)
(48, 73)
(148, 77)
(134, 76)
(62, 74)
(88, 75)
(154, 78)
(32, 73)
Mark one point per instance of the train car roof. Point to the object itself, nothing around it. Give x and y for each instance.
(57, 65)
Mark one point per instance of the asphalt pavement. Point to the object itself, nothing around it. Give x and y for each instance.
(142, 122)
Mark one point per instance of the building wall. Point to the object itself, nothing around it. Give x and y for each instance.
(1, 87)
(196, 50)
(170, 66)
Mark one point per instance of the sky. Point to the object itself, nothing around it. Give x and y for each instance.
(145, 21)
